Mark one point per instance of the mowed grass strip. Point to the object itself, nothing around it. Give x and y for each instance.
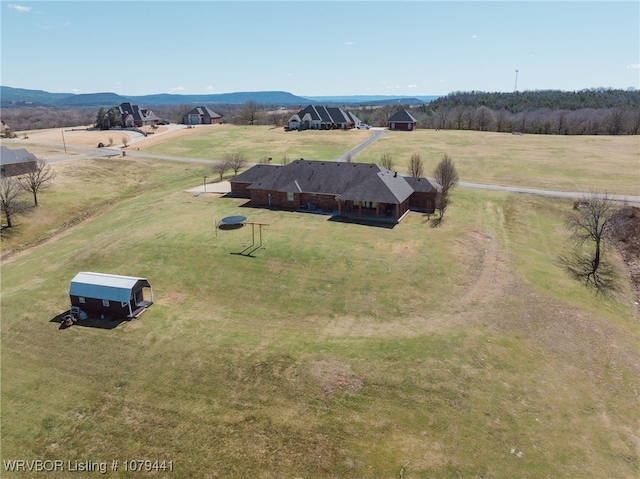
(337, 350)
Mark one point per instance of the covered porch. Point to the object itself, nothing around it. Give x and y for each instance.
(372, 210)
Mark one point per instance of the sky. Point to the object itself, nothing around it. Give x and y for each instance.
(318, 48)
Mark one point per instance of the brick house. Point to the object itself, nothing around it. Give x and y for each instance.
(402, 120)
(201, 115)
(322, 118)
(354, 190)
(134, 116)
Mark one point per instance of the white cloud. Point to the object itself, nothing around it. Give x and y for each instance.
(178, 88)
(210, 88)
(412, 85)
(75, 90)
(634, 66)
(19, 8)
(474, 36)
(349, 43)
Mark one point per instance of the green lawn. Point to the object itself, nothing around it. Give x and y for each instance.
(338, 350)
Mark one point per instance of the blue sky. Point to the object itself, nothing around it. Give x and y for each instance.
(315, 48)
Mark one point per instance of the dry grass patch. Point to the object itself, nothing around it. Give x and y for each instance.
(572, 163)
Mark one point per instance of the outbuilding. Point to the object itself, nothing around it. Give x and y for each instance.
(16, 162)
(402, 120)
(110, 295)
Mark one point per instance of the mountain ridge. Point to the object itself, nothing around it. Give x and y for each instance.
(21, 97)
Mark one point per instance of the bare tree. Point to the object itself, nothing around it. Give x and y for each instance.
(442, 116)
(10, 203)
(458, 116)
(615, 121)
(37, 179)
(125, 141)
(447, 176)
(220, 168)
(387, 162)
(588, 224)
(251, 112)
(484, 118)
(416, 167)
(285, 160)
(235, 161)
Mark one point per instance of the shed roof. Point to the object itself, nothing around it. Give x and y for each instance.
(105, 286)
(10, 157)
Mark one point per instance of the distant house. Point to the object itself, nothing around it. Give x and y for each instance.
(402, 120)
(322, 118)
(354, 190)
(109, 295)
(16, 162)
(134, 116)
(201, 115)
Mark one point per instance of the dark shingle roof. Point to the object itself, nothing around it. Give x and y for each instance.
(402, 116)
(326, 115)
(254, 173)
(349, 181)
(204, 111)
(10, 157)
(422, 185)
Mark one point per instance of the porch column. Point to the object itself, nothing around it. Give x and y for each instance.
(397, 210)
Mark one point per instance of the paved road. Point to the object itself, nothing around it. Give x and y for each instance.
(377, 133)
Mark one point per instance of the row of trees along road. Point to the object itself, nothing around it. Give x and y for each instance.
(12, 189)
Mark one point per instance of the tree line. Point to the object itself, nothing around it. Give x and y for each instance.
(552, 112)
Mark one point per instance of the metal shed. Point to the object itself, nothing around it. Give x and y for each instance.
(110, 294)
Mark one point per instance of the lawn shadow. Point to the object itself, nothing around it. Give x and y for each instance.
(364, 222)
(90, 322)
(230, 227)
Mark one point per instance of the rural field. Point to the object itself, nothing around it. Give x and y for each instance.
(337, 350)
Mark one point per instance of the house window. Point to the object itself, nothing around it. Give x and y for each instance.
(105, 303)
(289, 196)
(81, 299)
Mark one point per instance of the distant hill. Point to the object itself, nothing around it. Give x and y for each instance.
(90, 99)
(17, 97)
(25, 97)
(373, 99)
(21, 97)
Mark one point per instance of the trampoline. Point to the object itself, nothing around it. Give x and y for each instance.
(233, 220)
